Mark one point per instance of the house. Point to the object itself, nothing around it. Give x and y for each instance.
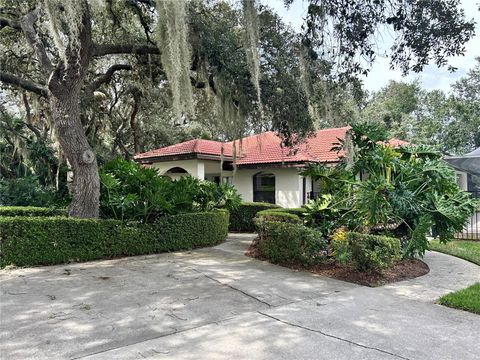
(258, 166)
(467, 168)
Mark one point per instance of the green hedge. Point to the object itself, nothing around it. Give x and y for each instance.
(31, 211)
(241, 219)
(27, 241)
(276, 215)
(300, 212)
(373, 252)
(289, 243)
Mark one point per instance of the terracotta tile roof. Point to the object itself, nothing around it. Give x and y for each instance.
(266, 148)
(197, 146)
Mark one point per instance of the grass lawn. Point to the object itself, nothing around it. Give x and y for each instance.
(468, 250)
(467, 299)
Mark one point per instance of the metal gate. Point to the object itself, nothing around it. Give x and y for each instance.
(471, 231)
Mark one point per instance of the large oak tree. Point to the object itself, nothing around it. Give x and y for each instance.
(60, 80)
(61, 50)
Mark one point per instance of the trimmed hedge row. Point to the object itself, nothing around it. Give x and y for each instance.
(27, 241)
(31, 211)
(300, 212)
(241, 219)
(276, 215)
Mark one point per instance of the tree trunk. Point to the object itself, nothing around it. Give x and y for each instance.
(137, 146)
(65, 85)
(74, 144)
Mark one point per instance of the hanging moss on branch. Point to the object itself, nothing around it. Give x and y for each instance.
(64, 23)
(172, 35)
(251, 44)
(306, 82)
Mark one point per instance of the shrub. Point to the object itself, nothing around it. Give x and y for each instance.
(30, 211)
(373, 252)
(27, 191)
(411, 185)
(241, 218)
(340, 247)
(132, 192)
(275, 215)
(287, 243)
(300, 212)
(27, 241)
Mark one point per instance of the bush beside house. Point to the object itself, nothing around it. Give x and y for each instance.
(28, 241)
(142, 212)
(242, 218)
(288, 243)
(368, 225)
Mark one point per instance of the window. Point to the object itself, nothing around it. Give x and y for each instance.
(264, 187)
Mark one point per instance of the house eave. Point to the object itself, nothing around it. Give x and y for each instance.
(272, 165)
(177, 157)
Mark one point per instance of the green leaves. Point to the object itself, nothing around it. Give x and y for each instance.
(409, 190)
(132, 192)
(373, 252)
(48, 239)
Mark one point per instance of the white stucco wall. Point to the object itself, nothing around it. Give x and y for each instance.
(195, 167)
(288, 185)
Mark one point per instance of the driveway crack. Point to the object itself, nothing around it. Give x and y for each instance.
(175, 331)
(333, 336)
(232, 287)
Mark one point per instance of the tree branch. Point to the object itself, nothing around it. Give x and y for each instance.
(146, 28)
(108, 49)
(14, 24)
(27, 26)
(23, 83)
(105, 78)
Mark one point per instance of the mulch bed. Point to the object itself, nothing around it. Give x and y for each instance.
(403, 270)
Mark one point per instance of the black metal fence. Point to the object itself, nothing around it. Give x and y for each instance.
(471, 231)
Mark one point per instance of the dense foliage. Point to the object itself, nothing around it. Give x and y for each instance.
(92, 80)
(133, 192)
(28, 241)
(242, 218)
(27, 191)
(289, 243)
(273, 215)
(422, 31)
(373, 252)
(31, 211)
(450, 121)
(404, 191)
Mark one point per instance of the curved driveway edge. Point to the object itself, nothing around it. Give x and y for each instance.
(218, 304)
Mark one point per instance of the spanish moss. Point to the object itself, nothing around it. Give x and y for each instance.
(64, 22)
(251, 45)
(306, 82)
(172, 33)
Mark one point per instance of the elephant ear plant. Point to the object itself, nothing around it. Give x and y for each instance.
(408, 192)
(135, 193)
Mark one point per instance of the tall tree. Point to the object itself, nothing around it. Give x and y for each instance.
(393, 107)
(346, 31)
(69, 53)
(71, 46)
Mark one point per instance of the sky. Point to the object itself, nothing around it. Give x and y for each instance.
(431, 78)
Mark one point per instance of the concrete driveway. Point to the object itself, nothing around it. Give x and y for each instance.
(218, 304)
